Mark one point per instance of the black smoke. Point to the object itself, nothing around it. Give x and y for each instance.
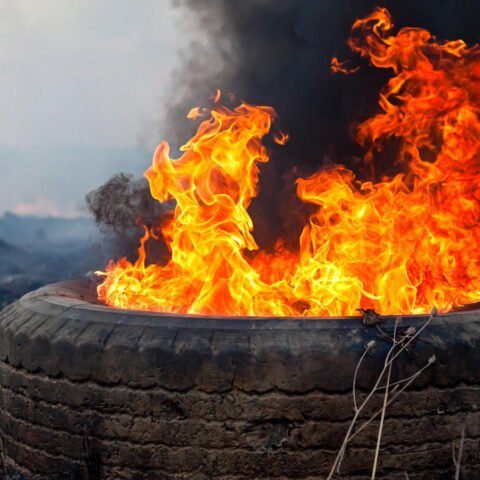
(278, 53)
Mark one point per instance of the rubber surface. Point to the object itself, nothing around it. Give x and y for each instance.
(89, 392)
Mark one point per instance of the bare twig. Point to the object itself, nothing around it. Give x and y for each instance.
(406, 379)
(384, 409)
(391, 356)
(354, 394)
(380, 428)
(397, 391)
(417, 333)
(458, 461)
(341, 452)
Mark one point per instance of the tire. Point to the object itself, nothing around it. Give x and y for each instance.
(90, 392)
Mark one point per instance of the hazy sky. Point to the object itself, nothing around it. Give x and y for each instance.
(77, 74)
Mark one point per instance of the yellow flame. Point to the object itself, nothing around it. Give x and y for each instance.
(400, 245)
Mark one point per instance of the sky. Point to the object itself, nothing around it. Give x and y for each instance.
(81, 88)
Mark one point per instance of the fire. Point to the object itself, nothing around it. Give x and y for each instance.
(400, 245)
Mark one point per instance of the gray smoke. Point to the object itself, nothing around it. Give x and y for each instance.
(120, 207)
(123, 202)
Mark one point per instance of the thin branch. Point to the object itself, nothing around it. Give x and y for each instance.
(398, 392)
(417, 333)
(357, 368)
(458, 461)
(389, 359)
(384, 409)
(341, 452)
(406, 379)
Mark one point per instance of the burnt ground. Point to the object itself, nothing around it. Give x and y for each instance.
(24, 270)
(37, 251)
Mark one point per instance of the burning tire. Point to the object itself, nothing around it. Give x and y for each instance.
(92, 392)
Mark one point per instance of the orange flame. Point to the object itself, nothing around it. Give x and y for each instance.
(336, 66)
(401, 245)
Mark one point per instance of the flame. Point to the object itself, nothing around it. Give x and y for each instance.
(336, 66)
(399, 245)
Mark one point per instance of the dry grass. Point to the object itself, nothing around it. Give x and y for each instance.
(457, 460)
(400, 342)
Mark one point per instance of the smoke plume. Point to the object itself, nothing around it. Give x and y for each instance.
(278, 53)
(121, 206)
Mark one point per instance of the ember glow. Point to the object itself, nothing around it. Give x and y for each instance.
(400, 245)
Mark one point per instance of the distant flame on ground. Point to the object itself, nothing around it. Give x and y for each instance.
(399, 245)
(43, 207)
